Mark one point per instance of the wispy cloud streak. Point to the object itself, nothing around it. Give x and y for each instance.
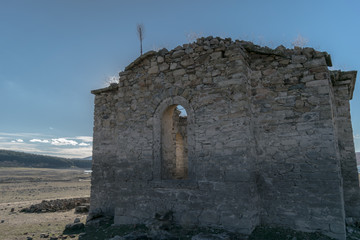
(69, 147)
(35, 140)
(63, 142)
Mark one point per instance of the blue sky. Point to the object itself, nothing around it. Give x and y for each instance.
(54, 52)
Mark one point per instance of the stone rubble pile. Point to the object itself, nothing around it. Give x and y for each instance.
(56, 205)
(352, 228)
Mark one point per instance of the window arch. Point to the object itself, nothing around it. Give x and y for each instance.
(174, 147)
(181, 165)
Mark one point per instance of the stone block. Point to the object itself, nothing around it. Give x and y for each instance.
(153, 69)
(216, 55)
(298, 59)
(209, 217)
(179, 72)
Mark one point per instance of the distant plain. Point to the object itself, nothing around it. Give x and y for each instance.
(21, 187)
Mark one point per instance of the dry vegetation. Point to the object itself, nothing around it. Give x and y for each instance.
(21, 187)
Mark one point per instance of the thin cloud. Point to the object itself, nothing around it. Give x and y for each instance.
(21, 147)
(357, 136)
(79, 152)
(84, 138)
(20, 135)
(35, 140)
(63, 142)
(67, 152)
(68, 147)
(84, 144)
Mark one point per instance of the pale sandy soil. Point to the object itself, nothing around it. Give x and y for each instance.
(21, 187)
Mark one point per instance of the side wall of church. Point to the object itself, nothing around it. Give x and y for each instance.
(300, 182)
(345, 142)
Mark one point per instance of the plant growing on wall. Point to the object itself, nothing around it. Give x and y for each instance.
(299, 41)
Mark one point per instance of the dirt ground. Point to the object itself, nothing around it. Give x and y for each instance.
(21, 187)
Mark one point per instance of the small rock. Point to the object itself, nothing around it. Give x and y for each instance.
(173, 66)
(178, 53)
(82, 235)
(160, 59)
(74, 226)
(214, 41)
(133, 106)
(349, 221)
(29, 238)
(2, 221)
(298, 59)
(163, 51)
(82, 209)
(280, 48)
(12, 210)
(349, 229)
(44, 235)
(153, 69)
(77, 220)
(216, 55)
(164, 67)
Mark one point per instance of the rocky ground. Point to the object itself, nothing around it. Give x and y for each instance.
(20, 188)
(40, 204)
(102, 228)
(17, 225)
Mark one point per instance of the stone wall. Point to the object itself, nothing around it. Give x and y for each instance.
(263, 137)
(299, 170)
(343, 85)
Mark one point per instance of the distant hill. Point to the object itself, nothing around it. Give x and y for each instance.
(21, 159)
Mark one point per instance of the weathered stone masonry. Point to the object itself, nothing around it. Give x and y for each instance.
(268, 139)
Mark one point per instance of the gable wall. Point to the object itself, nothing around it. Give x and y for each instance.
(213, 87)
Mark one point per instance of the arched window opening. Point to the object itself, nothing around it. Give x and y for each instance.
(174, 143)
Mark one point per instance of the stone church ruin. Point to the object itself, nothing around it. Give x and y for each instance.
(228, 134)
